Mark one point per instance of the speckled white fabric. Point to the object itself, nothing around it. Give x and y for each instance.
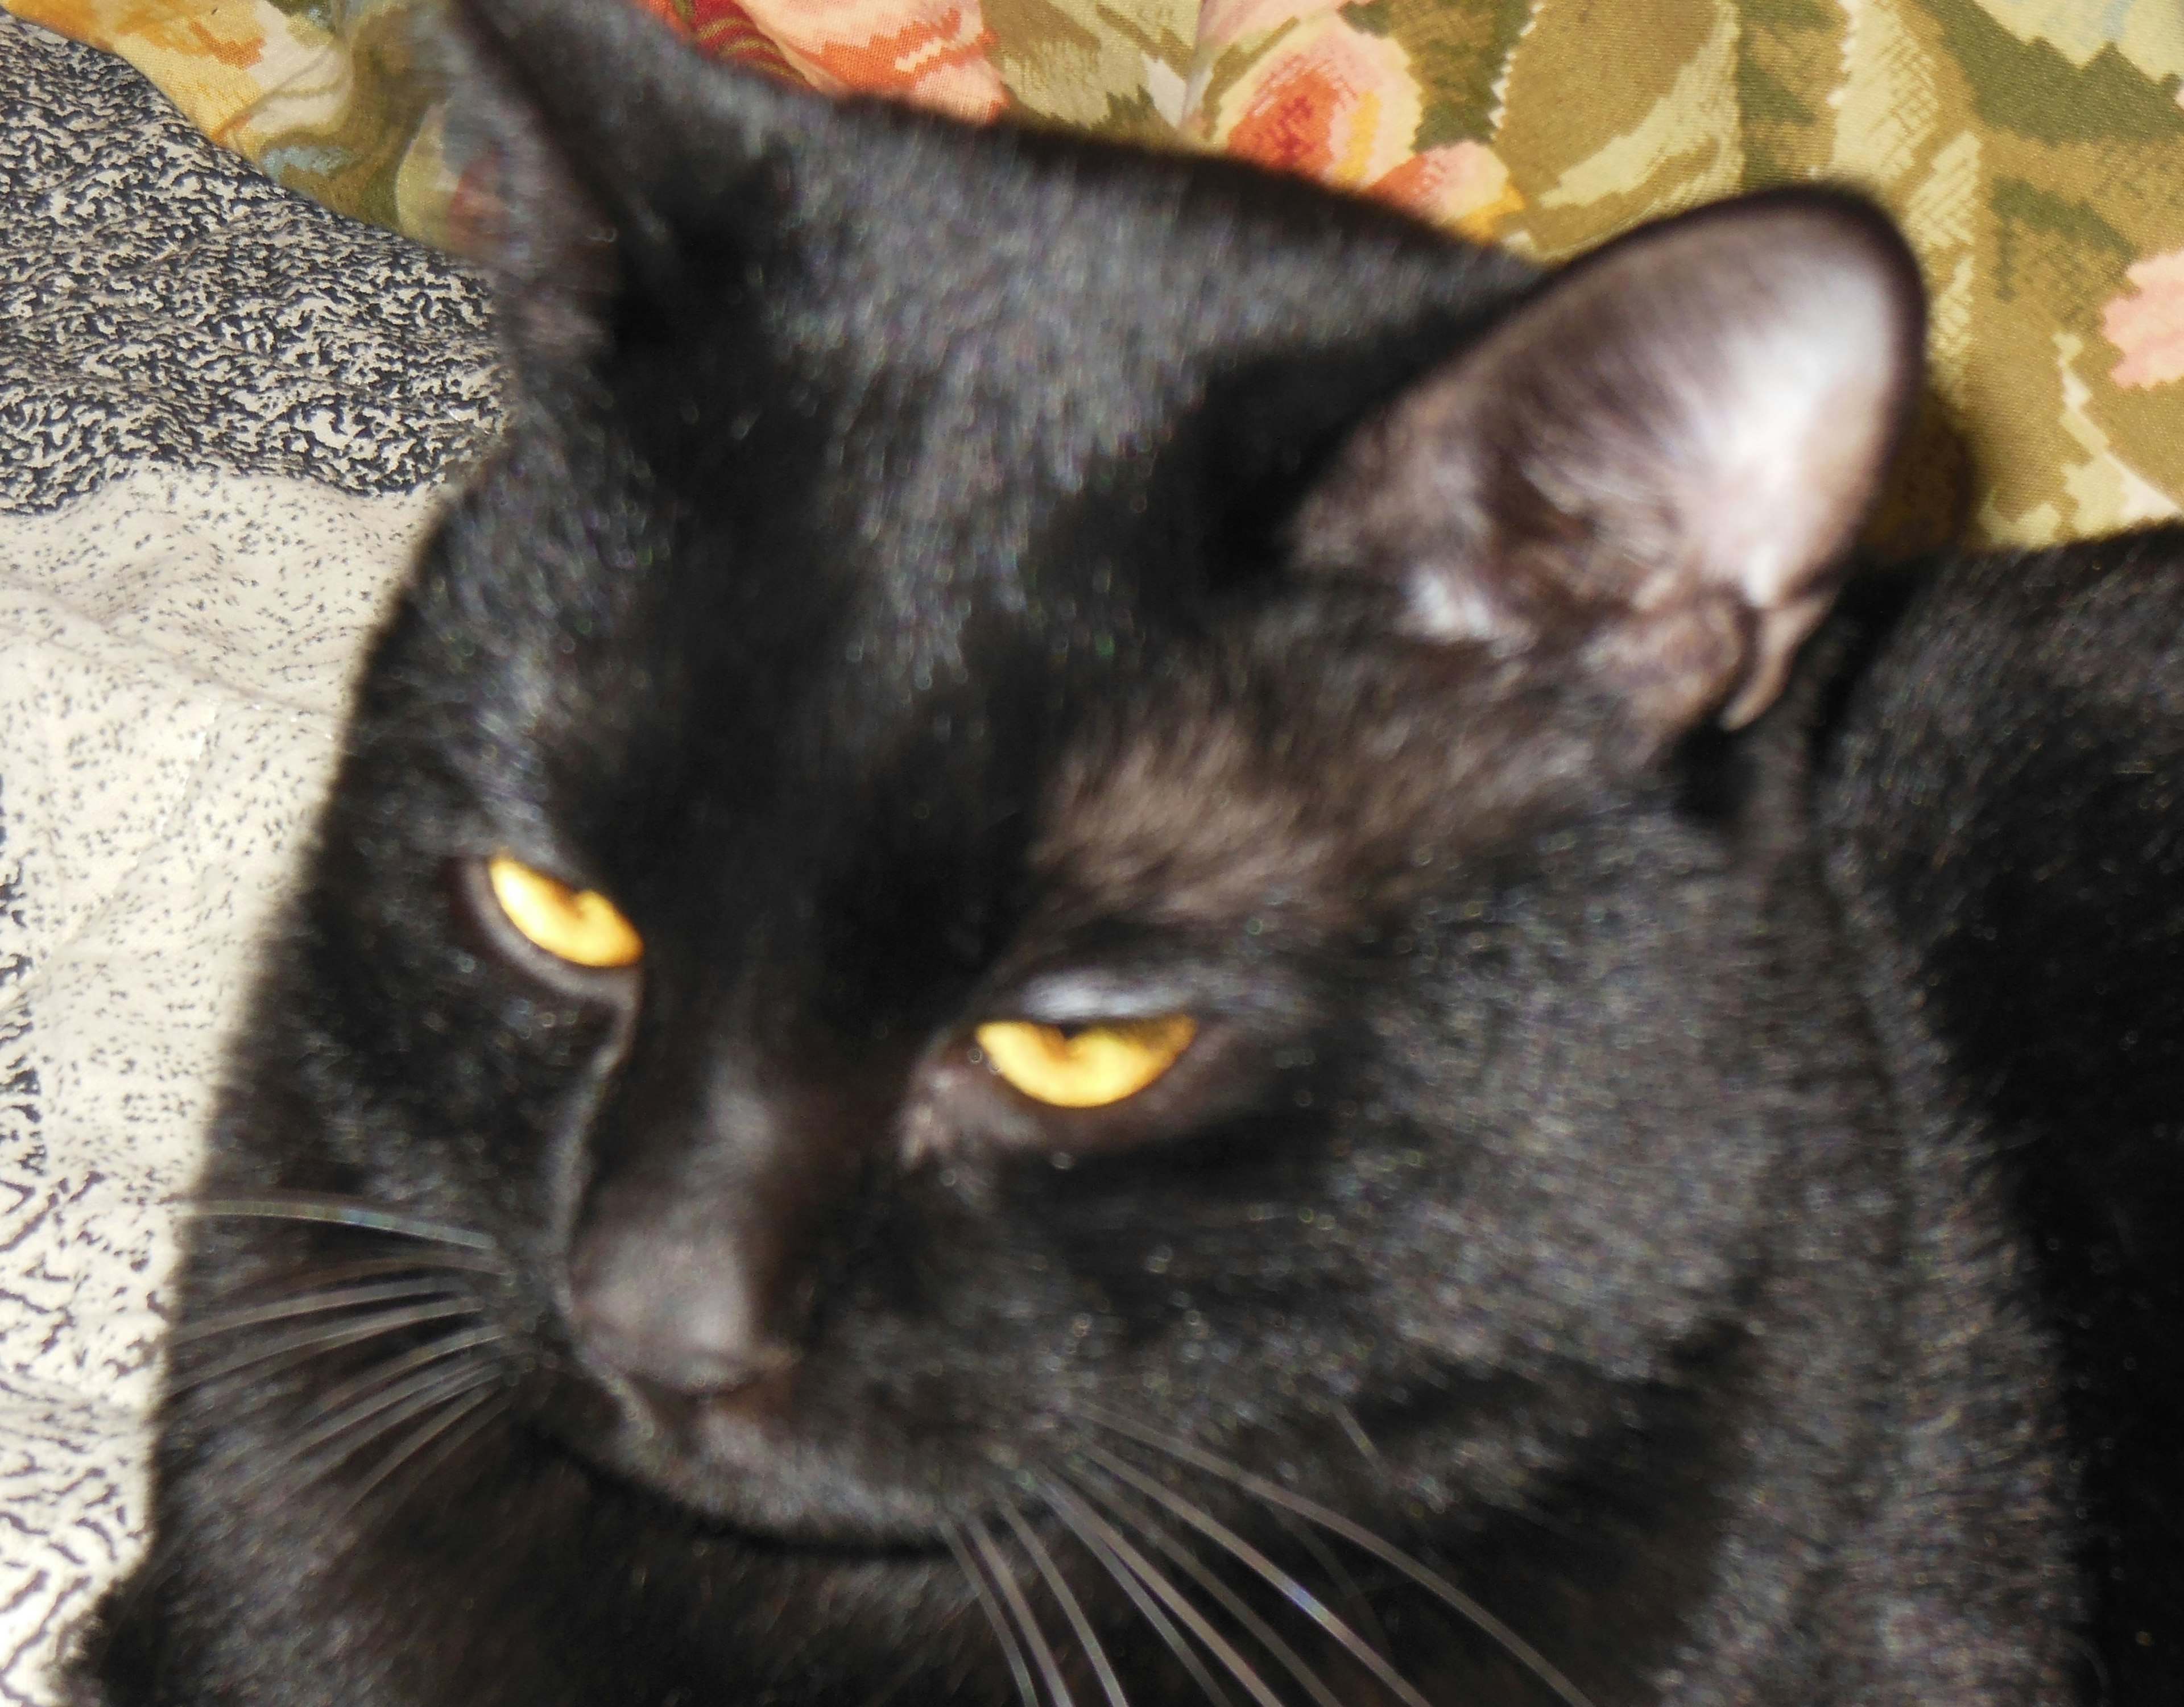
(174, 652)
(173, 649)
(162, 300)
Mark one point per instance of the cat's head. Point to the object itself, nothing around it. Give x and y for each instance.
(1047, 789)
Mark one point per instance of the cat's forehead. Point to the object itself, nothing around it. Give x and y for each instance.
(955, 411)
(954, 530)
(969, 358)
(892, 460)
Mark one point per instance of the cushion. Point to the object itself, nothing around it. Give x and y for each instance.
(2032, 149)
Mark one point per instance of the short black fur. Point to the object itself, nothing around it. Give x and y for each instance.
(936, 577)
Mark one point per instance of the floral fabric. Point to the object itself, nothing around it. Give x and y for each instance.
(2032, 149)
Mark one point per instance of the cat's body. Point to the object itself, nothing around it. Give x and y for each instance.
(940, 581)
(2003, 808)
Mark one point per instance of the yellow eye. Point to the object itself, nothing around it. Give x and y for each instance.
(1087, 1069)
(581, 926)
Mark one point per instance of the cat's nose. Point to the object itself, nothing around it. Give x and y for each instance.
(695, 1262)
(692, 1309)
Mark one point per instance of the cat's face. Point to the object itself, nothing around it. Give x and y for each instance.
(779, 1186)
(1033, 801)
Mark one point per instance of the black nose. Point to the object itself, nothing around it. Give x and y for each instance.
(693, 1308)
(695, 1259)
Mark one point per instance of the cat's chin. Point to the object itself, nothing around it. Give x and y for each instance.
(750, 1462)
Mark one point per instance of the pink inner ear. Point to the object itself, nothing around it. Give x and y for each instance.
(1789, 443)
(1651, 469)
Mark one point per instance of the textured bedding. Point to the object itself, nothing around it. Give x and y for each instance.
(223, 410)
(175, 653)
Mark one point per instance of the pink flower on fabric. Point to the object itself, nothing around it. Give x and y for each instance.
(932, 52)
(2148, 328)
(1326, 100)
(1340, 105)
(1222, 23)
(1464, 186)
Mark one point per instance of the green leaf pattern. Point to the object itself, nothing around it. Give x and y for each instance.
(2033, 151)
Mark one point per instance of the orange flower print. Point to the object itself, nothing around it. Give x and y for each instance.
(724, 30)
(1325, 100)
(1463, 186)
(932, 52)
(1340, 105)
(2148, 328)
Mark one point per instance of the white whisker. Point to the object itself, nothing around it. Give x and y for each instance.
(1058, 1587)
(1011, 1592)
(342, 1212)
(1148, 1608)
(1358, 1536)
(1273, 1575)
(1226, 1598)
(1011, 1650)
(1172, 1598)
(378, 1416)
(417, 1442)
(308, 1345)
(315, 1304)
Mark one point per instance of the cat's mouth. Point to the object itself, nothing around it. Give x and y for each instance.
(1096, 1525)
(772, 1460)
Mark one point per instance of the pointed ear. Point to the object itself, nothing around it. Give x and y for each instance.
(1648, 471)
(592, 140)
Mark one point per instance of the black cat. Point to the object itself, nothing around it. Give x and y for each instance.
(2003, 806)
(1064, 955)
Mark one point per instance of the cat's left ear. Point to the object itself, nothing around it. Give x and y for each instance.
(603, 153)
(1648, 471)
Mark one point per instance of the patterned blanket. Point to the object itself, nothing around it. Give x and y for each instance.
(223, 408)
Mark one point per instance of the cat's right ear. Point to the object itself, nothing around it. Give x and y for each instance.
(594, 143)
(1646, 475)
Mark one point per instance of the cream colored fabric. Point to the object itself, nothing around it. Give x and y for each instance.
(175, 653)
